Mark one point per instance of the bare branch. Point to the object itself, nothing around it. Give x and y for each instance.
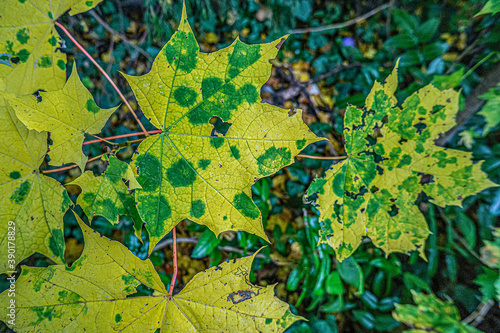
(343, 24)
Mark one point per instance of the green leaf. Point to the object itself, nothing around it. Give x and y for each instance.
(385, 323)
(410, 58)
(205, 245)
(333, 284)
(491, 110)
(31, 43)
(365, 318)
(351, 272)
(487, 281)
(217, 139)
(389, 150)
(491, 7)
(402, 41)
(428, 29)
(434, 50)
(413, 282)
(444, 82)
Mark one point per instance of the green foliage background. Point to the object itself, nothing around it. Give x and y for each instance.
(330, 70)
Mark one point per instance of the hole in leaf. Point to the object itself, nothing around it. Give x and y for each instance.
(394, 210)
(219, 125)
(420, 127)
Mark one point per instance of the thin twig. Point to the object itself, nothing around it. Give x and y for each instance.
(104, 73)
(478, 315)
(72, 165)
(470, 250)
(322, 157)
(388, 21)
(113, 32)
(119, 136)
(194, 240)
(343, 24)
(334, 71)
(174, 277)
(100, 139)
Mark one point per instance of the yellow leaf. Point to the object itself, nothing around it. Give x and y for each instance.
(93, 295)
(217, 140)
(67, 114)
(32, 206)
(29, 56)
(391, 159)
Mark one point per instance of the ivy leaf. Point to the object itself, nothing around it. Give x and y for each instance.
(391, 159)
(30, 55)
(431, 314)
(33, 202)
(107, 195)
(68, 114)
(217, 138)
(94, 295)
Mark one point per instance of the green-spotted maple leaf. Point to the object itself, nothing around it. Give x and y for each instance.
(431, 315)
(30, 58)
(391, 159)
(217, 140)
(68, 114)
(35, 204)
(107, 195)
(94, 295)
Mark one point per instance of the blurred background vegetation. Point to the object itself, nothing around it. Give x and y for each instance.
(321, 72)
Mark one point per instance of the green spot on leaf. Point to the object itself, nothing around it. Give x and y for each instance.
(197, 208)
(61, 64)
(21, 192)
(149, 170)
(15, 175)
(246, 206)
(185, 96)
(22, 36)
(181, 174)
(92, 106)
(204, 163)
(300, 143)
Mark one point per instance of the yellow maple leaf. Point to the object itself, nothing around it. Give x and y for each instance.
(30, 58)
(94, 295)
(217, 140)
(32, 205)
(68, 114)
(391, 159)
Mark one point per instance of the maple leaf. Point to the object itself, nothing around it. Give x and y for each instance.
(30, 58)
(94, 295)
(391, 159)
(107, 195)
(217, 138)
(68, 114)
(431, 314)
(35, 204)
